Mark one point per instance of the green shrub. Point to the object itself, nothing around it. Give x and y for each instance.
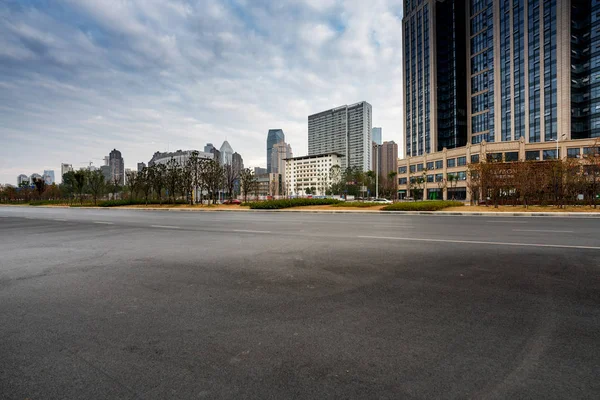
(48, 202)
(358, 204)
(434, 205)
(287, 203)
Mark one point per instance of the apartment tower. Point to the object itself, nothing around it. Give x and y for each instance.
(345, 130)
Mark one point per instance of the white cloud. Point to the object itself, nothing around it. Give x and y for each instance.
(183, 73)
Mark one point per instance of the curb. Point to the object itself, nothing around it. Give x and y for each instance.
(557, 214)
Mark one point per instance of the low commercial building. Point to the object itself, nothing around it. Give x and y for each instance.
(310, 174)
(269, 185)
(180, 156)
(427, 175)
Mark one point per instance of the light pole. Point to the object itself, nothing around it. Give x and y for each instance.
(377, 173)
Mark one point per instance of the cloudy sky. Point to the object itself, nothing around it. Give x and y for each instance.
(81, 77)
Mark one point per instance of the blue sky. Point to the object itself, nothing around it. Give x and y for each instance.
(81, 77)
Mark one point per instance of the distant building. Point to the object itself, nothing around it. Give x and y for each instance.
(274, 136)
(385, 159)
(127, 173)
(208, 148)
(226, 153)
(105, 169)
(117, 167)
(21, 179)
(141, 166)
(310, 173)
(180, 156)
(344, 130)
(48, 177)
(64, 168)
(269, 185)
(279, 153)
(376, 135)
(259, 171)
(34, 177)
(237, 162)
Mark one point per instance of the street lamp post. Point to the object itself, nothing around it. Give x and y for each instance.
(377, 174)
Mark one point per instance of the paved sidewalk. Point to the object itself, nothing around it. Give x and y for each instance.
(556, 214)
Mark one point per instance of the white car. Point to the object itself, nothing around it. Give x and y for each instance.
(383, 201)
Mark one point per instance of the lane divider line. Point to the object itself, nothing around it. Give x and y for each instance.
(249, 231)
(165, 226)
(541, 230)
(104, 222)
(560, 246)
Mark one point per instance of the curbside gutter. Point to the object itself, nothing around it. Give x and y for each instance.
(556, 214)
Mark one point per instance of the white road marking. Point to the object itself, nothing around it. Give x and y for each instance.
(250, 231)
(165, 226)
(541, 230)
(104, 222)
(562, 246)
(509, 222)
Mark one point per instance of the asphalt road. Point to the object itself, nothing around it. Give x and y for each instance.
(116, 304)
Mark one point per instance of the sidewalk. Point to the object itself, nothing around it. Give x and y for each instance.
(556, 214)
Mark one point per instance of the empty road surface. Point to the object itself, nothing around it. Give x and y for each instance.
(126, 304)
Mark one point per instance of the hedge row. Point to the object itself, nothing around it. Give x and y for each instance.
(287, 203)
(357, 204)
(434, 205)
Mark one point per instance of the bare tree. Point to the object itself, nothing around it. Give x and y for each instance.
(230, 175)
(96, 184)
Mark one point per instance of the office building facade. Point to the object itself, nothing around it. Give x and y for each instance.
(140, 166)
(497, 71)
(345, 130)
(531, 77)
(274, 136)
(226, 153)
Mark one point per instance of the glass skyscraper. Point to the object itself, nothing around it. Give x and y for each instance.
(273, 137)
(500, 71)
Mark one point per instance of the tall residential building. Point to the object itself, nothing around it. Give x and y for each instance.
(385, 158)
(117, 167)
(64, 168)
(226, 152)
(279, 153)
(528, 67)
(273, 137)
(141, 166)
(345, 130)
(48, 177)
(376, 135)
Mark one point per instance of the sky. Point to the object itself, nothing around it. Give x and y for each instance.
(81, 77)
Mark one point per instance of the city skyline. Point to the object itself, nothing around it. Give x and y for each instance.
(172, 88)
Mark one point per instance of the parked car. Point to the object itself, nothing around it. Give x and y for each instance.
(232, 201)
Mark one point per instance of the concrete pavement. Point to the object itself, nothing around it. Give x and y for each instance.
(151, 305)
